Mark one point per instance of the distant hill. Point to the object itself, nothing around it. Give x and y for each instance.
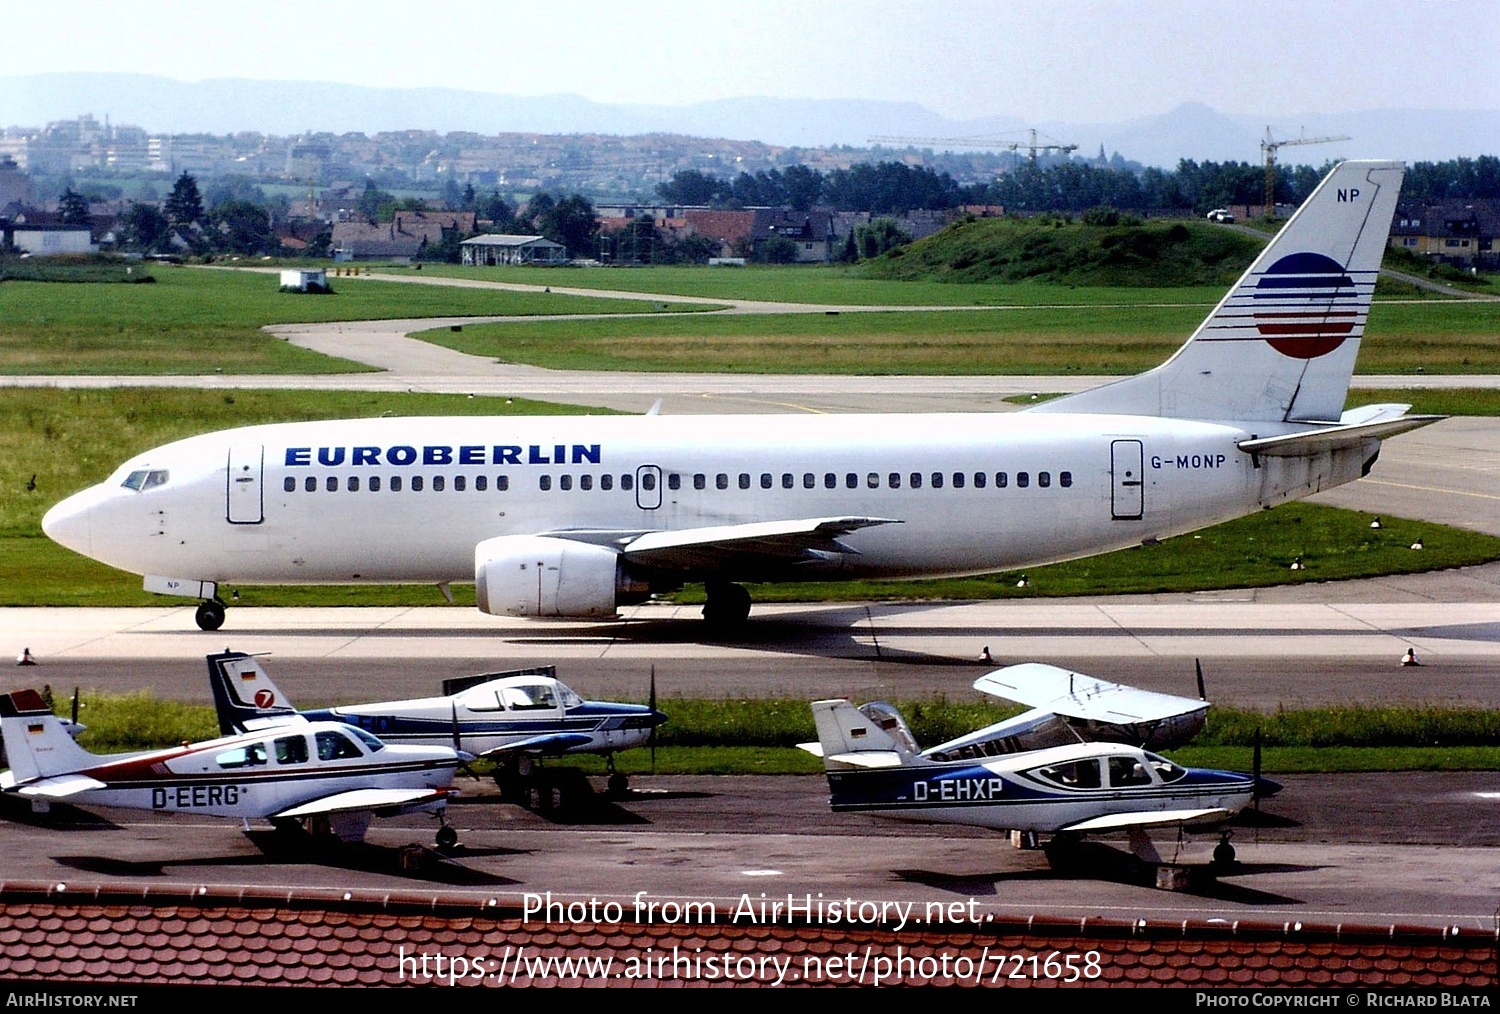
(1047, 250)
(165, 106)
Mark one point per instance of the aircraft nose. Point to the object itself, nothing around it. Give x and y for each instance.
(69, 523)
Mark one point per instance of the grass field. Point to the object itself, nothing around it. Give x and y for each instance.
(1425, 338)
(200, 321)
(704, 737)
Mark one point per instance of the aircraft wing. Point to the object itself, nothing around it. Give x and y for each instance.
(373, 800)
(55, 787)
(1074, 695)
(775, 542)
(1116, 821)
(552, 742)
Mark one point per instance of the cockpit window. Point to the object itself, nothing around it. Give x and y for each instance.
(1083, 774)
(332, 746)
(1165, 769)
(570, 700)
(143, 479)
(1128, 772)
(529, 697)
(366, 738)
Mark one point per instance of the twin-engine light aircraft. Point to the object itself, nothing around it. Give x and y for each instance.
(1022, 776)
(511, 718)
(576, 517)
(325, 777)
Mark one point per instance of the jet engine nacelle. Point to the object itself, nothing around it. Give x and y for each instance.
(538, 575)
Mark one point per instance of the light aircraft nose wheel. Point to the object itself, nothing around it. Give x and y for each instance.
(447, 838)
(210, 615)
(1224, 852)
(619, 783)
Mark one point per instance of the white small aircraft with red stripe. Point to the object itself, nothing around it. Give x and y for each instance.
(327, 778)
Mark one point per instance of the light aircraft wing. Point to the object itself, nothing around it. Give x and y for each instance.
(367, 799)
(778, 542)
(552, 742)
(55, 787)
(1115, 821)
(1074, 695)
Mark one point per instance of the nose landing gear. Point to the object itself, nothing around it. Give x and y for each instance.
(210, 614)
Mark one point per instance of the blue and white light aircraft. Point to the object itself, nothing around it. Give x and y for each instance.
(874, 766)
(326, 777)
(511, 718)
(576, 517)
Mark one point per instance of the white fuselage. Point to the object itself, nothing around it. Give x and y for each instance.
(386, 500)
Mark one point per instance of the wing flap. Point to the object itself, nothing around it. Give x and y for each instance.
(1075, 695)
(368, 799)
(1116, 821)
(778, 542)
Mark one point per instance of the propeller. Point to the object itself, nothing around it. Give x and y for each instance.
(1202, 693)
(76, 705)
(651, 703)
(458, 744)
(1255, 768)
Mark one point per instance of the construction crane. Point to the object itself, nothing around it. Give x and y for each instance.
(991, 141)
(1269, 147)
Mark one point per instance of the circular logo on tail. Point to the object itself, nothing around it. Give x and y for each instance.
(264, 698)
(1308, 305)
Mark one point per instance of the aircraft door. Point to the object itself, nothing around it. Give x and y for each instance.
(1127, 474)
(648, 487)
(245, 504)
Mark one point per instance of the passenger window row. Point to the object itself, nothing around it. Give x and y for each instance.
(700, 480)
(395, 483)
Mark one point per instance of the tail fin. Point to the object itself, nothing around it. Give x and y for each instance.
(244, 696)
(1281, 345)
(36, 742)
(874, 736)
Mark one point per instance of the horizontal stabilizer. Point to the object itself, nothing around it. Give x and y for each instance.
(764, 542)
(1156, 818)
(1292, 445)
(868, 759)
(56, 787)
(368, 800)
(554, 742)
(1074, 695)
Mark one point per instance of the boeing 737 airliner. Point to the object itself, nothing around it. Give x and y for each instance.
(574, 517)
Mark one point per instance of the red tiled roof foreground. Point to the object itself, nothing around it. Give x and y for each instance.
(207, 936)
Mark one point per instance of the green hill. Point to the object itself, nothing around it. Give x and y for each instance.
(1070, 253)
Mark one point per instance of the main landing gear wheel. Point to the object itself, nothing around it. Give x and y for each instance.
(728, 606)
(447, 838)
(210, 615)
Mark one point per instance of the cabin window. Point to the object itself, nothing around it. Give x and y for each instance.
(1044, 479)
(873, 480)
(502, 483)
(545, 483)
(1001, 480)
(529, 697)
(331, 484)
(744, 480)
(648, 480)
(481, 699)
(674, 481)
(937, 480)
(374, 484)
(481, 483)
(289, 484)
(851, 481)
(1125, 772)
(460, 483)
(416, 483)
(439, 483)
(291, 750)
(916, 480)
(1078, 775)
(248, 756)
(1023, 479)
(700, 481)
(310, 484)
(627, 482)
(787, 480)
(979, 478)
(894, 479)
(565, 483)
(767, 480)
(336, 746)
(958, 480)
(809, 481)
(587, 481)
(606, 481)
(353, 484)
(830, 481)
(721, 481)
(395, 484)
(1065, 479)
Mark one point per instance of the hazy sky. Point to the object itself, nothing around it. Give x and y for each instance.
(1057, 60)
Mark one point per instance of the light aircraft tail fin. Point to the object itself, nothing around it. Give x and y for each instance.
(1280, 347)
(244, 696)
(36, 742)
(872, 736)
